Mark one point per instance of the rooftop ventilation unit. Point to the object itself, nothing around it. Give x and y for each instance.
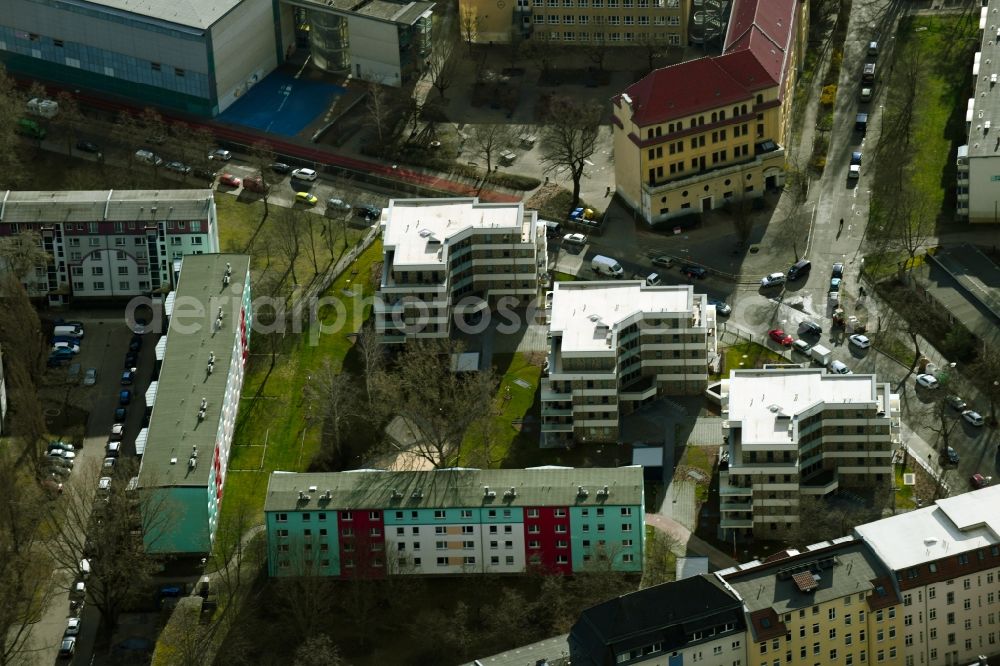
(603, 492)
(510, 492)
(581, 491)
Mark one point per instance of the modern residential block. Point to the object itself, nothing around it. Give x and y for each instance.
(187, 55)
(372, 523)
(446, 260)
(793, 432)
(977, 160)
(110, 243)
(595, 23)
(695, 620)
(945, 561)
(693, 136)
(615, 345)
(833, 603)
(194, 402)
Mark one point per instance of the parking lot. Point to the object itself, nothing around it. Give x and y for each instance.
(74, 410)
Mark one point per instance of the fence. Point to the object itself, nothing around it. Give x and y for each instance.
(323, 283)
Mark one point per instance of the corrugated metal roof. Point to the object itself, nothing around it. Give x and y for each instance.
(456, 488)
(106, 205)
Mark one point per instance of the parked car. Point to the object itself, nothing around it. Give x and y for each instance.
(112, 449)
(721, 306)
(255, 184)
(337, 204)
(873, 48)
(865, 95)
(220, 154)
(927, 381)
(779, 336)
(973, 417)
(692, 271)
(108, 466)
(57, 445)
(772, 280)
(280, 167)
(860, 341)
(229, 180)
(178, 167)
(124, 397)
(955, 402)
(801, 346)
(67, 648)
(131, 360)
(90, 377)
(305, 174)
(117, 432)
(952, 455)
(140, 327)
(868, 73)
(149, 157)
(128, 377)
(838, 270)
(135, 344)
(72, 346)
(835, 284)
(368, 211)
(104, 486)
(52, 486)
(809, 327)
(306, 198)
(202, 172)
(840, 368)
(854, 171)
(575, 239)
(63, 454)
(978, 481)
(87, 146)
(665, 262)
(120, 414)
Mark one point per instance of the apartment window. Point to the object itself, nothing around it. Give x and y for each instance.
(950, 599)
(96, 270)
(532, 513)
(832, 614)
(833, 633)
(282, 533)
(124, 285)
(562, 559)
(347, 516)
(951, 618)
(466, 513)
(439, 514)
(95, 242)
(98, 286)
(440, 529)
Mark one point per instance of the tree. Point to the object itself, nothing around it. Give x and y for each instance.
(659, 559)
(597, 51)
(489, 140)
(469, 23)
(443, 64)
(570, 138)
(128, 132)
(379, 112)
(653, 43)
(515, 44)
(11, 110)
(318, 650)
(740, 209)
(330, 396)
(70, 118)
(109, 533)
(438, 404)
(21, 254)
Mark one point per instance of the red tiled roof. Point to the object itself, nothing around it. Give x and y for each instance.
(805, 581)
(757, 43)
(682, 90)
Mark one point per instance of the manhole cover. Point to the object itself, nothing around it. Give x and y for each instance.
(53, 412)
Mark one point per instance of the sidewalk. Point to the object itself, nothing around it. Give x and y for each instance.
(689, 544)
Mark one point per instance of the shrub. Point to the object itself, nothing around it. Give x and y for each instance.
(829, 95)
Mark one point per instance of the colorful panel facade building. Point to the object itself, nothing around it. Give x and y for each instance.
(373, 523)
(195, 403)
(110, 243)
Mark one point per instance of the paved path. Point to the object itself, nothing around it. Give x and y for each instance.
(689, 543)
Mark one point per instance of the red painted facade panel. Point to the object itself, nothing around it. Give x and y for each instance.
(361, 538)
(543, 529)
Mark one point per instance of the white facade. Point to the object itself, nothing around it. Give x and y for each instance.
(946, 560)
(456, 549)
(244, 49)
(374, 50)
(793, 432)
(447, 258)
(614, 345)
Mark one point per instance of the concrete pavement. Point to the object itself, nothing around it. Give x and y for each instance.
(688, 543)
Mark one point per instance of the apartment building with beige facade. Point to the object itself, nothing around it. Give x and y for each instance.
(616, 345)
(793, 432)
(692, 136)
(945, 560)
(578, 22)
(832, 603)
(453, 260)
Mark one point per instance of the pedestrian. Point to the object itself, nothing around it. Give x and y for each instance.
(862, 292)
(841, 223)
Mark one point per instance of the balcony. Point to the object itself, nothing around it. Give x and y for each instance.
(735, 490)
(735, 523)
(556, 427)
(640, 389)
(556, 411)
(823, 483)
(736, 505)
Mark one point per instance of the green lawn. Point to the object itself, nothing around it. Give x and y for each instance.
(946, 45)
(513, 402)
(271, 431)
(755, 357)
(904, 494)
(563, 277)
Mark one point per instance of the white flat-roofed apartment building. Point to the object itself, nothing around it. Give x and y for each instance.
(615, 345)
(946, 563)
(110, 243)
(454, 258)
(799, 431)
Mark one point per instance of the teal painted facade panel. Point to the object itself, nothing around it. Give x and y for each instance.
(615, 525)
(175, 520)
(316, 553)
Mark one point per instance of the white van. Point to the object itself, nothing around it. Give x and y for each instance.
(70, 330)
(606, 266)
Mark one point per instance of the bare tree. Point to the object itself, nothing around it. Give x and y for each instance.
(597, 50)
(11, 171)
(21, 254)
(330, 396)
(438, 404)
(654, 44)
(740, 209)
(70, 118)
(318, 650)
(109, 533)
(129, 132)
(443, 64)
(372, 361)
(469, 23)
(570, 138)
(489, 140)
(379, 112)
(658, 560)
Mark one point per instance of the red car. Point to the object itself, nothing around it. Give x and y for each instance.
(978, 481)
(229, 179)
(781, 337)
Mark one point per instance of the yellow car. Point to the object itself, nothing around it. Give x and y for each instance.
(306, 198)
